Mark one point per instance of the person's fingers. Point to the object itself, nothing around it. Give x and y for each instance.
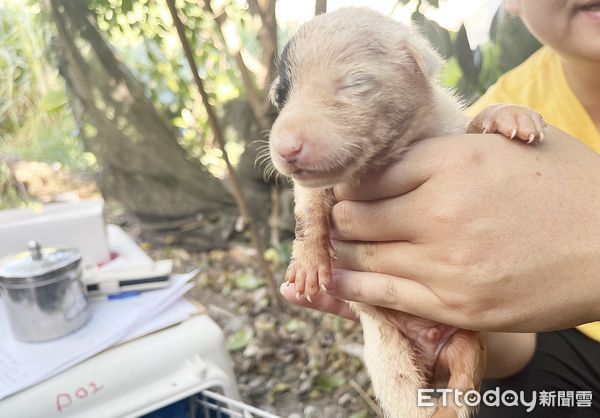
(321, 302)
(397, 219)
(402, 259)
(413, 169)
(389, 291)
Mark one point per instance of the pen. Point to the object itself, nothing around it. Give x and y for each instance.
(123, 295)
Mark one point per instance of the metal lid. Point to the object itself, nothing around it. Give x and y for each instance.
(38, 263)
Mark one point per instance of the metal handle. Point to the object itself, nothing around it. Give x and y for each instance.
(36, 250)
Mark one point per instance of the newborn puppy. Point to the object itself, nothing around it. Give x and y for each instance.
(355, 90)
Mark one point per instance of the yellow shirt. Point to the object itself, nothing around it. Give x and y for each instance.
(540, 83)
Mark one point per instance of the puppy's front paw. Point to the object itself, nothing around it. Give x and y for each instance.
(513, 121)
(310, 267)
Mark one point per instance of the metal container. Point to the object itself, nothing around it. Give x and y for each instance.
(43, 292)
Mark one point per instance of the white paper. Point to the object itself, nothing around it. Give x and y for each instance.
(181, 310)
(24, 364)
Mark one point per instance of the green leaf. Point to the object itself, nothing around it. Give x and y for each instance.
(466, 57)
(295, 325)
(53, 100)
(179, 122)
(281, 387)
(451, 73)
(126, 6)
(240, 339)
(248, 281)
(330, 382)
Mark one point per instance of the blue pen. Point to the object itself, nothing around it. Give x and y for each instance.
(124, 295)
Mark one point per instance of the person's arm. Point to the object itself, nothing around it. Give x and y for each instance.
(476, 231)
(508, 353)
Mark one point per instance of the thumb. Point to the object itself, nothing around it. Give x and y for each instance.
(408, 173)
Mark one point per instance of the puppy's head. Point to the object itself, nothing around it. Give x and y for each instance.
(349, 83)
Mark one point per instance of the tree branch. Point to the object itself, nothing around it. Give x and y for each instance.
(254, 5)
(218, 134)
(257, 103)
(320, 7)
(268, 36)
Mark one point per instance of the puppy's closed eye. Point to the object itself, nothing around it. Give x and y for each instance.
(356, 83)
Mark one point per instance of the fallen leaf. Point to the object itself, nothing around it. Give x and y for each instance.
(329, 383)
(248, 281)
(360, 414)
(295, 325)
(281, 387)
(240, 339)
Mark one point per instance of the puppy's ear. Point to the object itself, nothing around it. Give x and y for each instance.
(428, 61)
(273, 92)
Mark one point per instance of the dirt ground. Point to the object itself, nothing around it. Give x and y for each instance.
(299, 363)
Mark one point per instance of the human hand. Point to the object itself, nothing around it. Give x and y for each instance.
(320, 302)
(478, 232)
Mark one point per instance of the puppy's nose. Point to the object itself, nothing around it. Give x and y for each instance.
(289, 148)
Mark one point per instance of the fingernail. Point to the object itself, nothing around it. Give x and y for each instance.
(541, 137)
(324, 288)
(513, 134)
(309, 298)
(298, 296)
(531, 138)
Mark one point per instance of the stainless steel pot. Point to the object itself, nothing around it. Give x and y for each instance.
(43, 292)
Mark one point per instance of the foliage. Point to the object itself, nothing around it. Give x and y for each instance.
(35, 119)
(472, 71)
(9, 188)
(240, 339)
(143, 34)
(328, 383)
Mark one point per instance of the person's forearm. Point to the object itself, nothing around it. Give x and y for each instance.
(592, 308)
(508, 353)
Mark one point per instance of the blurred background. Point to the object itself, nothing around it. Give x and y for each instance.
(97, 98)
